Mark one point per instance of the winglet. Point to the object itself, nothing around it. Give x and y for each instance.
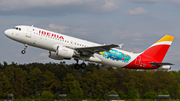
(120, 45)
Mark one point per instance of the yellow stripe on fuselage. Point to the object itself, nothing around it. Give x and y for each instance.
(102, 53)
(166, 38)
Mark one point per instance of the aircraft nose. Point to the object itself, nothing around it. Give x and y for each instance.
(6, 32)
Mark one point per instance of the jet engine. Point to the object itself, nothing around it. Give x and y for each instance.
(165, 67)
(64, 52)
(53, 55)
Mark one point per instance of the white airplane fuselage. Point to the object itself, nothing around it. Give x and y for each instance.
(49, 40)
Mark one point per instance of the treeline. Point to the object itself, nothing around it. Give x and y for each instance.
(96, 81)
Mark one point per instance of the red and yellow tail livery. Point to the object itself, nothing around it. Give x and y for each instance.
(153, 56)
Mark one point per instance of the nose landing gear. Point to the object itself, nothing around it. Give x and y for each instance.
(24, 51)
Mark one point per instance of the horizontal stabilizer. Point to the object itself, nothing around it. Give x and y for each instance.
(160, 64)
(120, 45)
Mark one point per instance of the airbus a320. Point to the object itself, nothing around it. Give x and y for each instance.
(66, 47)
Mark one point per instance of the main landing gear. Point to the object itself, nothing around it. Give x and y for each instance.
(77, 66)
(24, 51)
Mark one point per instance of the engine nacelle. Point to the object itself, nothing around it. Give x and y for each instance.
(64, 52)
(53, 55)
(165, 67)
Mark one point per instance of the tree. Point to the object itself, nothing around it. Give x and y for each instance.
(112, 92)
(121, 95)
(46, 95)
(88, 84)
(35, 80)
(150, 95)
(132, 94)
(164, 92)
(48, 80)
(5, 86)
(76, 91)
(68, 83)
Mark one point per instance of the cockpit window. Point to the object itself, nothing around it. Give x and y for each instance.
(17, 28)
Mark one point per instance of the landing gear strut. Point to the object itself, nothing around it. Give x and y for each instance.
(77, 66)
(24, 51)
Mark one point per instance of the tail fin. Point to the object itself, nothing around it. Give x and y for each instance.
(159, 49)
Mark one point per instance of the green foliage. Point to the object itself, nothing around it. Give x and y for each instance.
(76, 92)
(164, 92)
(68, 83)
(28, 80)
(121, 95)
(150, 95)
(112, 92)
(47, 95)
(37, 94)
(132, 94)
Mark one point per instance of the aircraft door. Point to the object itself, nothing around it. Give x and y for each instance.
(138, 60)
(29, 32)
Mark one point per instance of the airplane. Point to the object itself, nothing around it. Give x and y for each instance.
(63, 47)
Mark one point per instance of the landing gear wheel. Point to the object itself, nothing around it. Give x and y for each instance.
(76, 66)
(23, 51)
(83, 65)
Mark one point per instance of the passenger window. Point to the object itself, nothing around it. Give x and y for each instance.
(16, 28)
(20, 29)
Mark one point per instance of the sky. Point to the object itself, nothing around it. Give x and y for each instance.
(136, 23)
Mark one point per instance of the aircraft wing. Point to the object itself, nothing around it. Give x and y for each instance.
(97, 49)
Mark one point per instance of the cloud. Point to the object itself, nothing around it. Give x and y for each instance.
(136, 11)
(110, 5)
(145, 1)
(21, 4)
(61, 29)
(175, 1)
(81, 31)
(42, 55)
(57, 7)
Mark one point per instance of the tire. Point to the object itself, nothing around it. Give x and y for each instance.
(83, 65)
(23, 51)
(76, 66)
